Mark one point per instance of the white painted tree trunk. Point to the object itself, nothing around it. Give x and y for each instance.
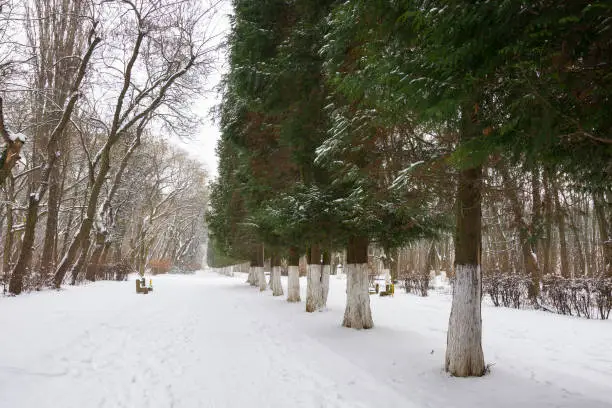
(252, 279)
(325, 285)
(275, 281)
(314, 298)
(464, 356)
(357, 314)
(293, 286)
(261, 278)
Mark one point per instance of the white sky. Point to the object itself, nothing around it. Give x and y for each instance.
(202, 146)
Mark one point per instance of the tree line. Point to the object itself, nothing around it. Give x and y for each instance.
(472, 134)
(92, 94)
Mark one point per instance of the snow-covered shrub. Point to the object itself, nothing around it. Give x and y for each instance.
(121, 270)
(582, 297)
(415, 282)
(603, 297)
(508, 290)
(117, 271)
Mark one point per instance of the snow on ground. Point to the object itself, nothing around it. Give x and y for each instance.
(211, 341)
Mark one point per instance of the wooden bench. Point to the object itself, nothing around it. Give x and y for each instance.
(389, 290)
(140, 288)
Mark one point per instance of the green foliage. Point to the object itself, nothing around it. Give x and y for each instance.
(350, 118)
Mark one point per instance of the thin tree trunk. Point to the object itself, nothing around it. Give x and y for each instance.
(560, 218)
(259, 269)
(579, 259)
(530, 261)
(326, 271)
(357, 314)
(548, 258)
(81, 261)
(94, 263)
(102, 232)
(605, 233)
(82, 236)
(536, 228)
(47, 260)
(394, 264)
(9, 236)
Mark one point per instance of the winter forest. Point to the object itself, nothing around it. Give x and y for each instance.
(407, 191)
(92, 93)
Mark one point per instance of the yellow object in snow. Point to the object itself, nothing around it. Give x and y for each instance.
(151, 282)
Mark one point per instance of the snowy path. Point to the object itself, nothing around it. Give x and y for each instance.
(212, 341)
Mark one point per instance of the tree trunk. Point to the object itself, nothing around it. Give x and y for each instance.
(536, 230)
(393, 263)
(293, 278)
(530, 260)
(357, 314)
(275, 280)
(82, 236)
(81, 261)
(94, 263)
(605, 233)
(251, 276)
(326, 271)
(547, 258)
(8, 239)
(579, 258)
(313, 280)
(103, 213)
(261, 278)
(47, 259)
(260, 274)
(560, 218)
(27, 245)
(464, 356)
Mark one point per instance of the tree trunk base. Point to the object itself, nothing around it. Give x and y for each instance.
(275, 282)
(325, 285)
(261, 278)
(251, 279)
(464, 356)
(293, 286)
(357, 314)
(314, 294)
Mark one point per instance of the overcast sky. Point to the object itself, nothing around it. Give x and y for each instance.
(202, 146)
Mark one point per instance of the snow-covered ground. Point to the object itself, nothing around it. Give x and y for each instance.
(212, 341)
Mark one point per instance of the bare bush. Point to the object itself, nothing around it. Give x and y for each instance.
(509, 290)
(581, 297)
(415, 282)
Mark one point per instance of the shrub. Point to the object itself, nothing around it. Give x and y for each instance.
(582, 297)
(508, 290)
(415, 282)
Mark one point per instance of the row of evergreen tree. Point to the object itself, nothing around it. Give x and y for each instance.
(365, 121)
